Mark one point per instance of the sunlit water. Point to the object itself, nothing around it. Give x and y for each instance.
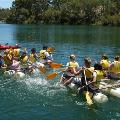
(35, 98)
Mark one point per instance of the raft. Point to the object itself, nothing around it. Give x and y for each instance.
(3, 47)
(115, 92)
(12, 73)
(112, 90)
(20, 74)
(97, 98)
(9, 73)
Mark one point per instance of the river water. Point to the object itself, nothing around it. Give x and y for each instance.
(35, 98)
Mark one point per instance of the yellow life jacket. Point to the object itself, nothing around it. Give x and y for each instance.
(105, 63)
(6, 60)
(42, 54)
(25, 59)
(11, 51)
(116, 67)
(100, 75)
(32, 58)
(73, 64)
(89, 72)
(16, 52)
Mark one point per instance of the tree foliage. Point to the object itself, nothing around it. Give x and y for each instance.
(4, 13)
(106, 12)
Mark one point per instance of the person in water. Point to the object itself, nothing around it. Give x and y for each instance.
(16, 52)
(114, 69)
(7, 57)
(93, 76)
(98, 75)
(33, 56)
(70, 71)
(88, 69)
(45, 56)
(105, 62)
(10, 62)
(86, 73)
(24, 61)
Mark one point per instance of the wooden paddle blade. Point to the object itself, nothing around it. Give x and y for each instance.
(51, 49)
(88, 98)
(56, 65)
(52, 76)
(42, 70)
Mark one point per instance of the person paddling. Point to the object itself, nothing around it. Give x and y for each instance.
(105, 62)
(93, 76)
(98, 75)
(88, 69)
(70, 71)
(10, 62)
(45, 56)
(7, 57)
(86, 72)
(33, 56)
(24, 61)
(114, 69)
(17, 52)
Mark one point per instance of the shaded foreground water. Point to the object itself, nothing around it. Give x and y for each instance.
(35, 98)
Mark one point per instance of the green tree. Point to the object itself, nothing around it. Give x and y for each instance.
(65, 12)
(4, 13)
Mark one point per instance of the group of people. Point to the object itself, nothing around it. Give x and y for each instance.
(20, 60)
(89, 77)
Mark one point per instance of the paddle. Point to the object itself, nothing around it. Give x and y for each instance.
(52, 75)
(87, 94)
(51, 49)
(56, 65)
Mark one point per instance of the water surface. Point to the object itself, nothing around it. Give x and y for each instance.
(35, 98)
